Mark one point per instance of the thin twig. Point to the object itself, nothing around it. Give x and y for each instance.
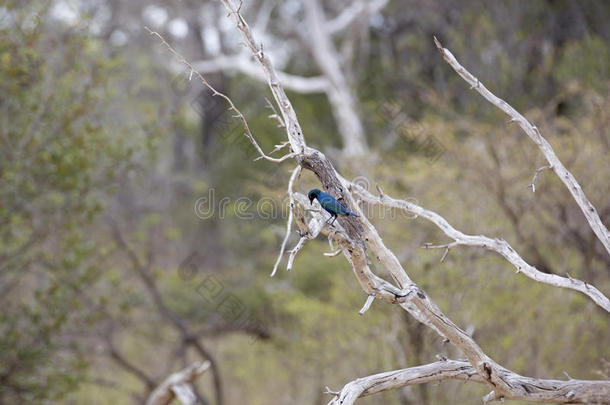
(332, 254)
(295, 174)
(295, 250)
(232, 107)
(447, 247)
(367, 304)
(538, 171)
(276, 116)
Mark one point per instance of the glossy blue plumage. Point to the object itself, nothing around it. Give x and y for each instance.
(329, 203)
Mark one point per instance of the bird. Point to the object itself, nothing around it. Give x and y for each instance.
(330, 204)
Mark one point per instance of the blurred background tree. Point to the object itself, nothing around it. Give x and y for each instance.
(109, 279)
(63, 152)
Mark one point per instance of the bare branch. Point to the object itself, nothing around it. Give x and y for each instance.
(243, 64)
(215, 92)
(439, 371)
(295, 174)
(281, 124)
(294, 252)
(573, 391)
(497, 245)
(352, 13)
(178, 385)
(332, 254)
(276, 148)
(538, 171)
(547, 150)
(447, 247)
(289, 117)
(491, 396)
(367, 304)
(340, 94)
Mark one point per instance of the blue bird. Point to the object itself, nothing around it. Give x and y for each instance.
(330, 204)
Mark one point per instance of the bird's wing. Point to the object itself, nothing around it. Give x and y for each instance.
(341, 209)
(331, 204)
(327, 202)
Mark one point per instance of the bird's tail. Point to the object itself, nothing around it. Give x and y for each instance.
(352, 214)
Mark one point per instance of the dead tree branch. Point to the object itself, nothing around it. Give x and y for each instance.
(538, 171)
(178, 385)
(352, 13)
(340, 94)
(243, 64)
(497, 245)
(315, 34)
(295, 174)
(565, 391)
(534, 134)
(238, 114)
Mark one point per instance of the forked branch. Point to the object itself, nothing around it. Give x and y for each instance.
(563, 391)
(497, 245)
(193, 71)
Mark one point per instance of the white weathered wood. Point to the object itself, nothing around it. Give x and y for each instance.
(352, 13)
(243, 64)
(316, 34)
(534, 134)
(178, 385)
(497, 245)
(289, 116)
(340, 94)
(353, 252)
(367, 304)
(295, 174)
(571, 391)
(294, 251)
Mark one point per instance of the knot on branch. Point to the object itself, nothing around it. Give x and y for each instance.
(486, 372)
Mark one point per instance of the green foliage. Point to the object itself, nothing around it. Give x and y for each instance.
(586, 62)
(60, 155)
